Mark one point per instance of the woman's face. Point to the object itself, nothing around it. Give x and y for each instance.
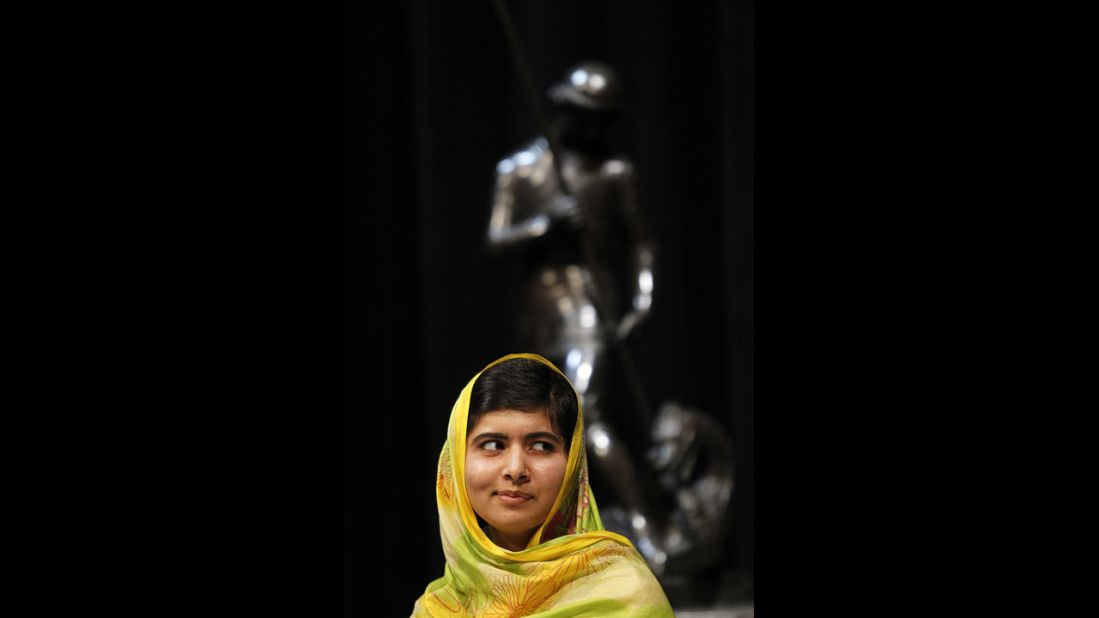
(515, 464)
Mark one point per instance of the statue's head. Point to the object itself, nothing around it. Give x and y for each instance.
(586, 102)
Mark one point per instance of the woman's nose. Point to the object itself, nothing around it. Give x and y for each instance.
(515, 464)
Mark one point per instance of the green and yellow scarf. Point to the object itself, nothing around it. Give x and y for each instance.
(571, 567)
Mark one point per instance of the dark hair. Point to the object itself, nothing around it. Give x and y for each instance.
(528, 386)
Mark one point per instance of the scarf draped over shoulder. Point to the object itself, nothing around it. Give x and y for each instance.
(571, 567)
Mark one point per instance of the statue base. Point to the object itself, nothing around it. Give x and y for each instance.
(725, 588)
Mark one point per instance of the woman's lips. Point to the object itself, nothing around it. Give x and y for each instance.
(513, 497)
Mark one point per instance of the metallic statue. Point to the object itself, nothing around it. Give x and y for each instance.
(573, 220)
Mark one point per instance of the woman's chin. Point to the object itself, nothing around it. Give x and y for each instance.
(516, 533)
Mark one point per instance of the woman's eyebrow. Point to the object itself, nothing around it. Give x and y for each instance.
(541, 435)
(489, 434)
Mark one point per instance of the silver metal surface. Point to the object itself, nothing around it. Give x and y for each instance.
(570, 216)
(740, 611)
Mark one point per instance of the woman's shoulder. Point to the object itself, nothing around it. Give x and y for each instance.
(437, 600)
(626, 561)
(618, 571)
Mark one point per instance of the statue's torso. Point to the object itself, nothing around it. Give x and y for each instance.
(561, 297)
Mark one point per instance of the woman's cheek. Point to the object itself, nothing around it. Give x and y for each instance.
(476, 473)
(551, 472)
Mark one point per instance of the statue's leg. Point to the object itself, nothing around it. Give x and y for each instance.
(585, 365)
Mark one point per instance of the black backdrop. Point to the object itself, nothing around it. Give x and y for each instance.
(279, 213)
(260, 276)
(432, 102)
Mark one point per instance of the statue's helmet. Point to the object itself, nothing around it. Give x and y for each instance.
(588, 85)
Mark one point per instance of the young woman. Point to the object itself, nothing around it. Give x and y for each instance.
(519, 525)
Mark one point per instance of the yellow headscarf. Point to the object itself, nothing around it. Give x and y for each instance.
(571, 567)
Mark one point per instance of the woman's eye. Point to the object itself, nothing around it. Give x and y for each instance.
(542, 446)
(492, 445)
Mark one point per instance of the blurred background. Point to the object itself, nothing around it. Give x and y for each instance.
(432, 101)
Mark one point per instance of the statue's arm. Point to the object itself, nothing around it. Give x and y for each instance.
(641, 251)
(506, 228)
